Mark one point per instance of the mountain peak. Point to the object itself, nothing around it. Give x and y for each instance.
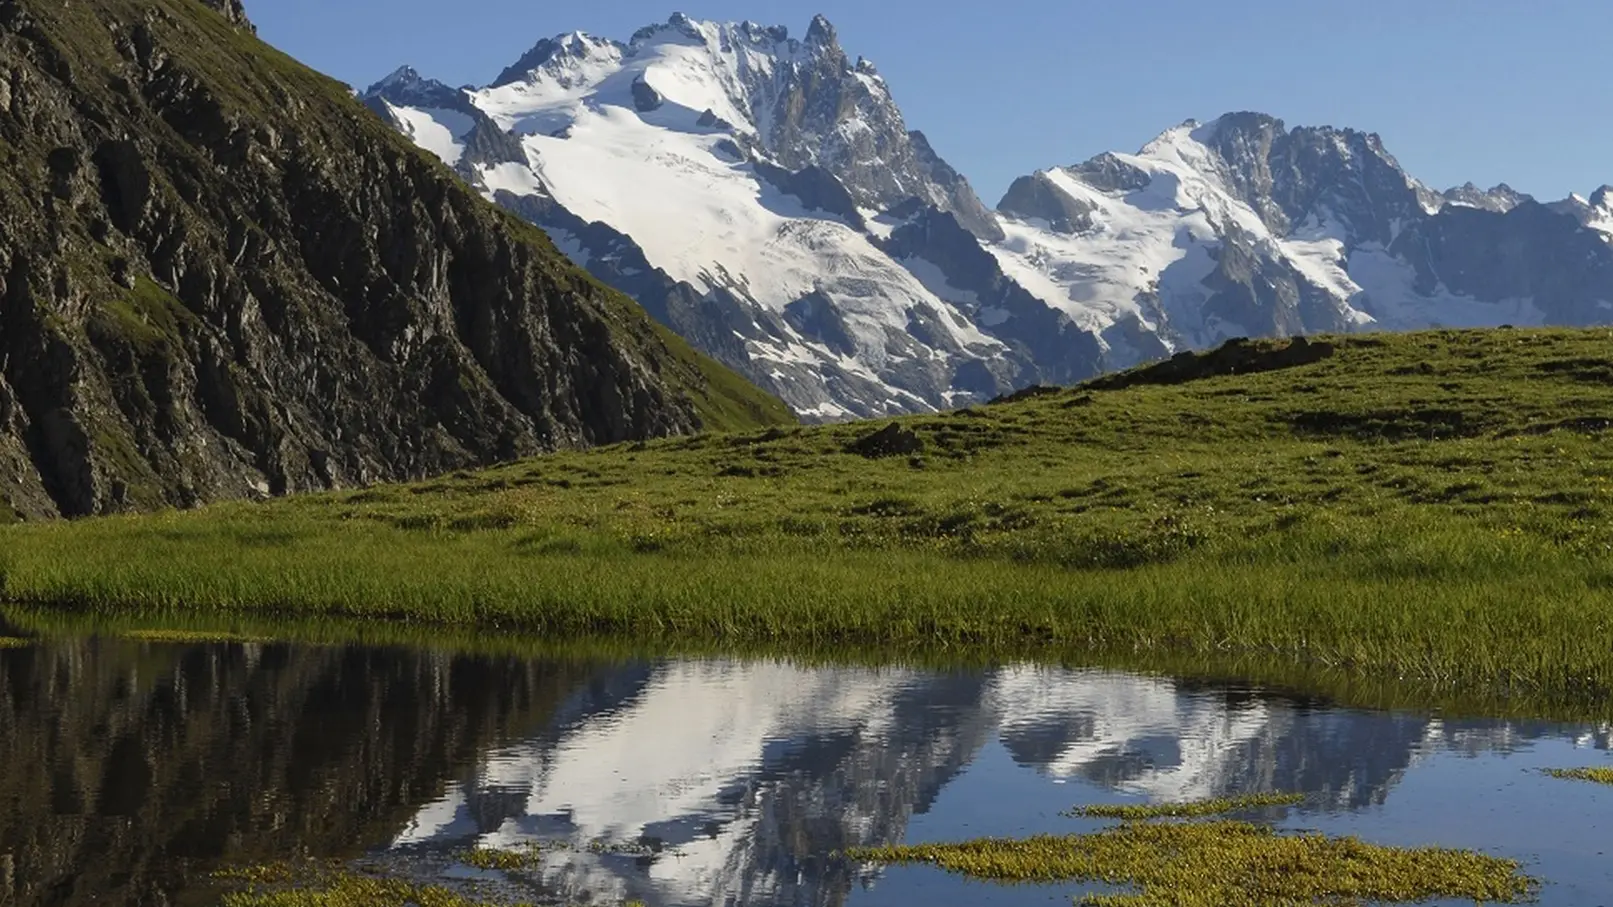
(1499, 198)
(402, 77)
(573, 46)
(822, 33)
(406, 86)
(680, 25)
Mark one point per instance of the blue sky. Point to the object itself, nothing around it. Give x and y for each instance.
(1481, 90)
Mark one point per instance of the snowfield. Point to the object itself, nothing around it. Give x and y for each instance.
(674, 141)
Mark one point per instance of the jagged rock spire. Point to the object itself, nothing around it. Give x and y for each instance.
(822, 33)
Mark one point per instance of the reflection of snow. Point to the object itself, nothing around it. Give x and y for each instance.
(1109, 715)
(676, 761)
(750, 772)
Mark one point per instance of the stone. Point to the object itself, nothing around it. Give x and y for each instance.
(894, 440)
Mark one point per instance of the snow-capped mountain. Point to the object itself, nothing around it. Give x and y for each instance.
(1241, 227)
(756, 770)
(738, 183)
(764, 197)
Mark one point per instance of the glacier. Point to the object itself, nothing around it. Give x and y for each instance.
(764, 197)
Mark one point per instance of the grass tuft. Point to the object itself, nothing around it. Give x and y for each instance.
(353, 890)
(330, 884)
(1194, 809)
(500, 859)
(1598, 775)
(192, 636)
(1218, 863)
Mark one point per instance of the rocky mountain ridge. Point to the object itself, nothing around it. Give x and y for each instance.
(784, 170)
(764, 197)
(220, 277)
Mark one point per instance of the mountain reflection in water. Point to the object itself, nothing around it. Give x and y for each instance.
(131, 770)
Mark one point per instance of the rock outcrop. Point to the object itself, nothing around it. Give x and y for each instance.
(221, 277)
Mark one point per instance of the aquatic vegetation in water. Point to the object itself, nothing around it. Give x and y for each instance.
(1223, 862)
(12, 642)
(529, 855)
(1197, 808)
(280, 873)
(1598, 775)
(353, 890)
(506, 860)
(192, 636)
(333, 883)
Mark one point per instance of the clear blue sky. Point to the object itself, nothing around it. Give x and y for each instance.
(1482, 90)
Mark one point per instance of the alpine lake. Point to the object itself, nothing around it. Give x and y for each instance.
(173, 771)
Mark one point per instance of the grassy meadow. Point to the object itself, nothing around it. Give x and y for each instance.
(1430, 507)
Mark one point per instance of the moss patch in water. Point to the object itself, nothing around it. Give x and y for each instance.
(504, 860)
(352, 890)
(330, 885)
(1598, 775)
(1212, 807)
(1223, 862)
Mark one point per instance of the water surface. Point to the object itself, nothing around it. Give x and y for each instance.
(129, 771)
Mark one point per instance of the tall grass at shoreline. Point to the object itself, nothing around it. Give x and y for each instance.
(1439, 603)
(1435, 507)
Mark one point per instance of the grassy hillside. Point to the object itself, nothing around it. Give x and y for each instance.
(1432, 506)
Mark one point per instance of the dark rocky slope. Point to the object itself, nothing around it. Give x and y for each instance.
(220, 276)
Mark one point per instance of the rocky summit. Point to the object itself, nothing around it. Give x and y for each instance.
(221, 277)
(763, 195)
(758, 192)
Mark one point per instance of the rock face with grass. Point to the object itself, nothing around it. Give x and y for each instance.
(220, 277)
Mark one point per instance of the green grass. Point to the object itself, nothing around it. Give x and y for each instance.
(191, 637)
(149, 317)
(353, 890)
(1597, 775)
(1218, 863)
(1431, 508)
(506, 860)
(1195, 809)
(331, 884)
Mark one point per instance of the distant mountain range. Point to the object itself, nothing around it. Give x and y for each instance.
(764, 197)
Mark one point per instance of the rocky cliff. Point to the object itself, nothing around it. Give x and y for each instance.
(220, 276)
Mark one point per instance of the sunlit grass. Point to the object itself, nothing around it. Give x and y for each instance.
(1434, 509)
(1218, 863)
(1192, 809)
(192, 636)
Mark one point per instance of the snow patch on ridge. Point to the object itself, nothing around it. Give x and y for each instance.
(438, 131)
